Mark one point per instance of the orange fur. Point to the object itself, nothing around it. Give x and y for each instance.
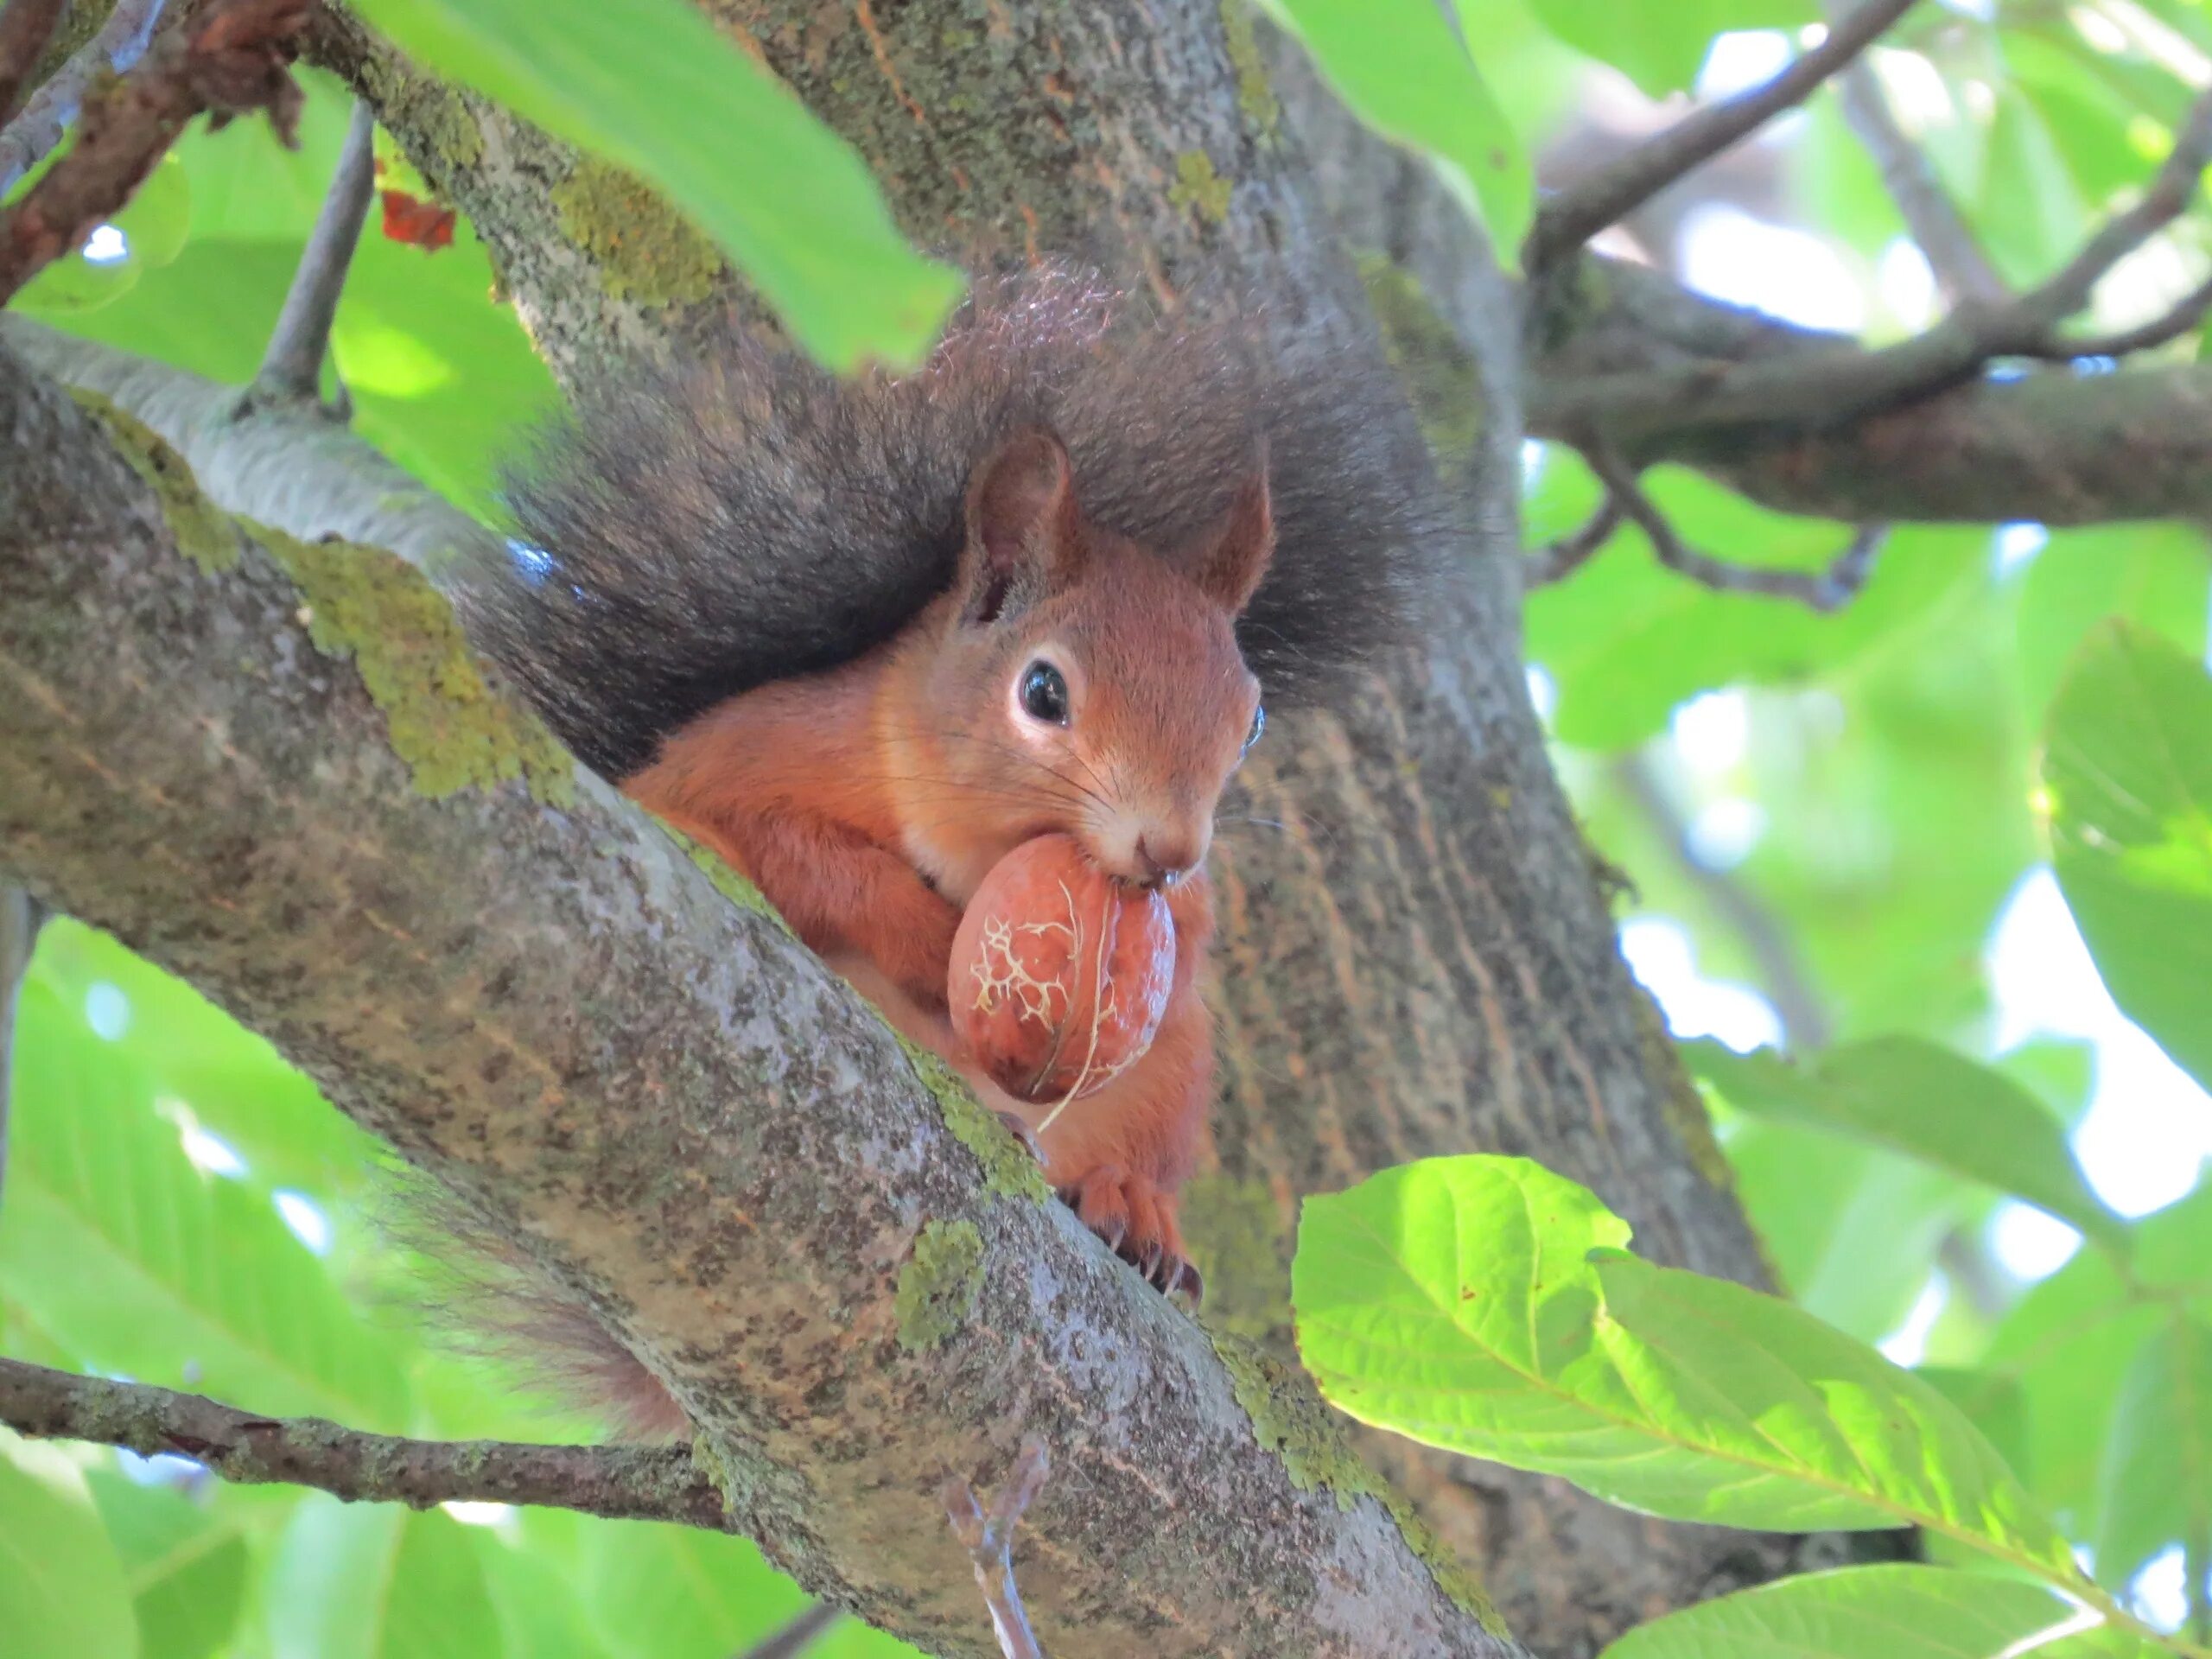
(868, 802)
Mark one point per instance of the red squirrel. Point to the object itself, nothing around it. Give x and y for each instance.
(1068, 679)
(862, 637)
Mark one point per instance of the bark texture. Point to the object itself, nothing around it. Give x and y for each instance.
(276, 775)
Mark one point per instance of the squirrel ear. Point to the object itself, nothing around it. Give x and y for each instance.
(1023, 529)
(1227, 566)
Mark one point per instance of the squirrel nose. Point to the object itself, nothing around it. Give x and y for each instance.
(1164, 859)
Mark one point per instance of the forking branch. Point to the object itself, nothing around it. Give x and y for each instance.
(1579, 211)
(1827, 589)
(232, 58)
(292, 367)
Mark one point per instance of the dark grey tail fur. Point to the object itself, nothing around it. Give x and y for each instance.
(747, 516)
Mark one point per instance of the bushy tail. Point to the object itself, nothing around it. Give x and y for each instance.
(692, 532)
(488, 1300)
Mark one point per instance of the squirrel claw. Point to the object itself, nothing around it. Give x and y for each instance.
(1135, 1221)
(1018, 1126)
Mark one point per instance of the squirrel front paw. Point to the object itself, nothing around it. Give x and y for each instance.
(1137, 1219)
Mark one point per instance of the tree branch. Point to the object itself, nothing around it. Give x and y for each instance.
(1567, 554)
(988, 1536)
(2185, 313)
(291, 370)
(697, 1129)
(622, 1483)
(26, 28)
(797, 1635)
(21, 919)
(1822, 590)
(1777, 398)
(27, 139)
(1579, 211)
(1961, 269)
(283, 465)
(232, 59)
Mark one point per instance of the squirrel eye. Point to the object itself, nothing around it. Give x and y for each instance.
(1258, 725)
(1044, 694)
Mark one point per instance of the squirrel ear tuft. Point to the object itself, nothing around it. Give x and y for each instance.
(1024, 531)
(1228, 564)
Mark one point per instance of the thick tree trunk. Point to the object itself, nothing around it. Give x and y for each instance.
(1418, 958)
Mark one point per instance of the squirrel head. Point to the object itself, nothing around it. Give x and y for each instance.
(1083, 683)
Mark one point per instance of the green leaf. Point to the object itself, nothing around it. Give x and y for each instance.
(184, 1566)
(2028, 214)
(1852, 1229)
(1897, 1611)
(710, 1595)
(541, 1615)
(2156, 1481)
(147, 1266)
(61, 1589)
(204, 1065)
(1916, 1098)
(2127, 768)
(73, 285)
(1659, 48)
(2158, 576)
(656, 88)
(376, 1581)
(1403, 71)
(1994, 1403)
(157, 218)
(1482, 1305)
(2066, 1344)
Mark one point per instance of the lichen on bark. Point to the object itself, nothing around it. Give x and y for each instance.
(939, 1283)
(453, 730)
(647, 251)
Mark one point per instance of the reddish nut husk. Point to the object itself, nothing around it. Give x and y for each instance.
(1059, 973)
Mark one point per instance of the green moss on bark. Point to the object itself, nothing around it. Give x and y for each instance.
(455, 732)
(204, 532)
(1292, 1419)
(728, 882)
(938, 1286)
(646, 250)
(1439, 375)
(1199, 187)
(428, 108)
(1255, 95)
(1009, 1169)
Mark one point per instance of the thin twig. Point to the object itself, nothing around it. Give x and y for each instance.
(624, 1483)
(26, 29)
(2025, 324)
(2185, 313)
(797, 1637)
(1830, 589)
(1579, 212)
(1561, 558)
(21, 917)
(988, 1539)
(292, 369)
(28, 138)
(233, 57)
(1774, 955)
(1786, 395)
(1961, 269)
